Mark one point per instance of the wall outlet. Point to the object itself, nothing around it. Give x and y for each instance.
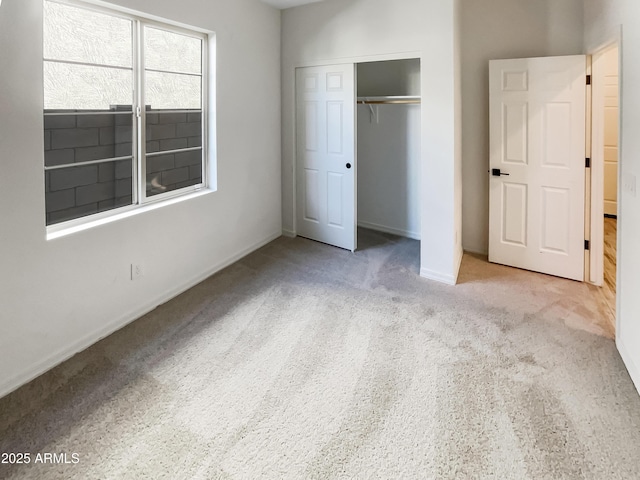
(136, 271)
(629, 184)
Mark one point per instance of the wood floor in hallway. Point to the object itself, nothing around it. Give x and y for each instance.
(608, 290)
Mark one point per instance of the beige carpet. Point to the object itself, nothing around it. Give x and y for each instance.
(305, 361)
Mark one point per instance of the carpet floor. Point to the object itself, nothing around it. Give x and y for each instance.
(303, 361)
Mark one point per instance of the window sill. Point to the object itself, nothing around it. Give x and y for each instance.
(63, 229)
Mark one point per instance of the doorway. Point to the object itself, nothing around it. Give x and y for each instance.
(521, 122)
(358, 166)
(388, 146)
(605, 175)
(537, 164)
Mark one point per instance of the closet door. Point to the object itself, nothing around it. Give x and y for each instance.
(325, 154)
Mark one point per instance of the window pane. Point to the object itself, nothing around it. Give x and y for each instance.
(83, 138)
(173, 130)
(79, 87)
(79, 35)
(91, 73)
(76, 192)
(172, 52)
(173, 171)
(171, 91)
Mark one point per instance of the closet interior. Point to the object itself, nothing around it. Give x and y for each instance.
(388, 146)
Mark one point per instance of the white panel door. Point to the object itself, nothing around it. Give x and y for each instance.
(325, 154)
(537, 164)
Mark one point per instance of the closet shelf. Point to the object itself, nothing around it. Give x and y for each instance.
(389, 100)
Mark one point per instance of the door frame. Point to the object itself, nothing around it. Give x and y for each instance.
(321, 63)
(596, 260)
(596, 257)
(611, 37)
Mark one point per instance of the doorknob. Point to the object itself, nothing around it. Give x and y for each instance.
(496, 172)
(348, 165)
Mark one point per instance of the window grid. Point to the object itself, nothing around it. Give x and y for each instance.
(140, 124)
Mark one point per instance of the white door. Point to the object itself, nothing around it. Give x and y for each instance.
(325, 154)
(537, 164)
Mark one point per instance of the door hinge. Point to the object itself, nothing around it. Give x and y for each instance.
(587, 163)
(587, 245)
(588, 79)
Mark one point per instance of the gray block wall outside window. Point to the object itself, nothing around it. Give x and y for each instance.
(73, 192)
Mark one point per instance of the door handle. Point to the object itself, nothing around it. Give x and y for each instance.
(497, 173)
(348, 165)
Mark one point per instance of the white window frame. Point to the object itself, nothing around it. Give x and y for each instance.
(139, 154)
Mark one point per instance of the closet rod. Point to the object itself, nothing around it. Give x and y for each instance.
(404, 100)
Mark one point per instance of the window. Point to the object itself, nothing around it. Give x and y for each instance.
(124, 120)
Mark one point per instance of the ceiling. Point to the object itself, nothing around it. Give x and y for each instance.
(282, 4)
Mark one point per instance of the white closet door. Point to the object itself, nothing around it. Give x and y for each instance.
(325, 154)
(537, 188)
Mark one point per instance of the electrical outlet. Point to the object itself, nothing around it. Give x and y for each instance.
(136, 271)
(629, 183)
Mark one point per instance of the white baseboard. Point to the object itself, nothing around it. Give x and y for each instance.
(289, 233)
(458, 264)
(437, 276)
(449, 279)
(632, 367)
(391, 230)
(78, 346)
(476, 250)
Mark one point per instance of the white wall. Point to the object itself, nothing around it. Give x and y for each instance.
(603, 19)
(337, 31)
(389, 169)
(394, 77)
(389, 149)
(457, 102)
(496, 29)
(57, 297)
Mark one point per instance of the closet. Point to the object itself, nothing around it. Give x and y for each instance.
(388, 146)
(358, 129)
